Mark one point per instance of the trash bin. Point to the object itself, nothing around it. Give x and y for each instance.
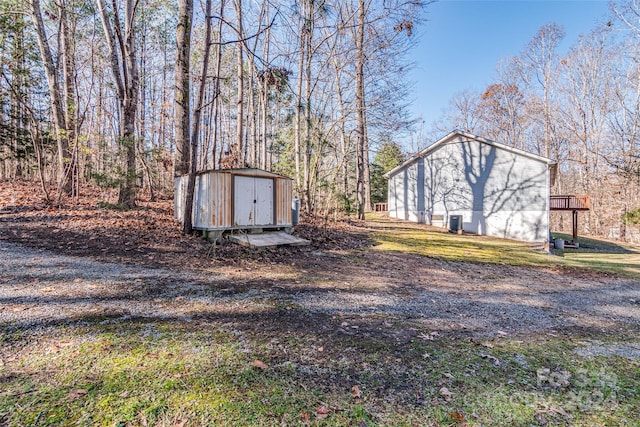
(295, 210)
(455, 224)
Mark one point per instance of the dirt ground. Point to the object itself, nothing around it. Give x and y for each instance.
(84, 260)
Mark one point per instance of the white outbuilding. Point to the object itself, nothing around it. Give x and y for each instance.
(465, 182)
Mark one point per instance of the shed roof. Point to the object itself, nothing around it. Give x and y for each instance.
(460, 136)
(246, 172)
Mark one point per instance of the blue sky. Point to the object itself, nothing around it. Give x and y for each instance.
(462, 42)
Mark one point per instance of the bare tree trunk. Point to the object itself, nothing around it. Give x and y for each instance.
(127, 194)
(239, 151)
(360, 111)
(125, 73)
(252, 146)
(265, 99)
(71, 109)
(195, 133)
(216, 90)
(197, 114)
(307, 111)
(367, 168)
(298, 131)
(182, 97)
(54, 92)
(183, 110)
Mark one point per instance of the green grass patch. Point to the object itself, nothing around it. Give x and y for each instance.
(124, 376)
(453, 247)
(596, 255)
(601, 255)
(166, 373)
(596, 245)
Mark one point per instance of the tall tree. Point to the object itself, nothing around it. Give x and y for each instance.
(628, 11)
(239, 150)
(362, 150)
(388, 156)
(52, 71)
(540, 60)
(183, 88)
(504, 118)
(185, 154)
(122, 56)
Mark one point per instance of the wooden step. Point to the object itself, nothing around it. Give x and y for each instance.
(263, 240)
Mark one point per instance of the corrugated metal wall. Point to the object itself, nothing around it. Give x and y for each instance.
(212, 201)
(284, 190)
(179, 192)
(214, 198)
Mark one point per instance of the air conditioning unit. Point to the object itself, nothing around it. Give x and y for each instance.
(455, 224)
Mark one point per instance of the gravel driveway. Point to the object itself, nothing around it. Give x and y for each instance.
(39, 287)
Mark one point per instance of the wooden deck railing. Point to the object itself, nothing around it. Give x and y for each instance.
(570, 203)
(379, 207)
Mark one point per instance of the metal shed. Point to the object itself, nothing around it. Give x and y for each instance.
(236, 199)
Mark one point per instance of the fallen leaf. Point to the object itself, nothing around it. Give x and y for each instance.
(77, 393)
(542, 420)
(446, 394)
(355, 391)
(431, 336)
(304, 416)
(456, 416)
(322, 412)
(493, 359)
(259, 364)
(560, 411)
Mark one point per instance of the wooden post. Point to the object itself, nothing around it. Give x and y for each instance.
(575, 226)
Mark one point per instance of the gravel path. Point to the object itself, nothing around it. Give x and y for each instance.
(40, 287)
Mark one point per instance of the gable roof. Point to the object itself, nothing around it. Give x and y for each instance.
(463, 137)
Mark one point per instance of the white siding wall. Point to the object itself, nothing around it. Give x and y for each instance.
(403, 194)
(498, 193)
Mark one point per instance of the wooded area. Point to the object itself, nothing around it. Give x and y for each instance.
(129, 94)
(126, 95)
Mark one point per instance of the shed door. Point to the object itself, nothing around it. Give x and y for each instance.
(253, 201)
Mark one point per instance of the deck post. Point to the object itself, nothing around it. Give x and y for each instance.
(573, 204)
